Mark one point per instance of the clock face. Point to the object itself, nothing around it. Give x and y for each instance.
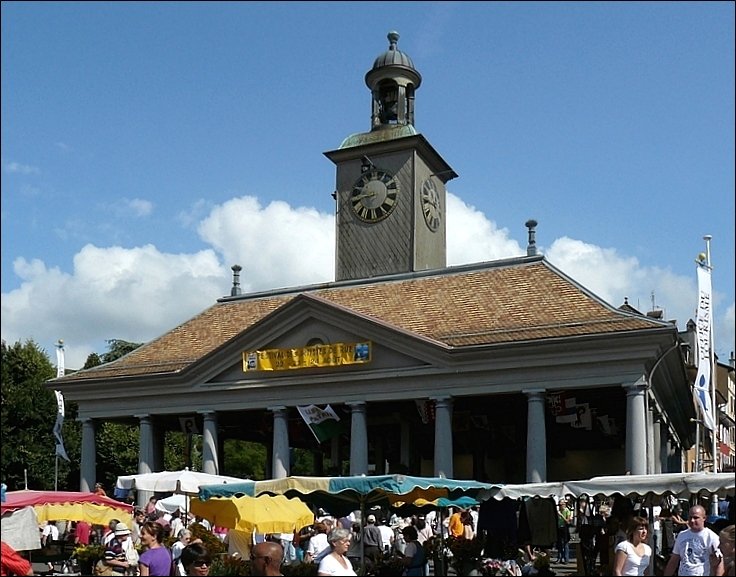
(374, 195)
(431, 207)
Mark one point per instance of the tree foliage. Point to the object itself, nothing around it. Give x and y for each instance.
(28, 413)
(118, 348)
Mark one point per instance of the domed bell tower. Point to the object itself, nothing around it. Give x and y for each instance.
(390, 187)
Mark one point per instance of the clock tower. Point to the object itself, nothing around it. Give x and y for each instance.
(390, 192)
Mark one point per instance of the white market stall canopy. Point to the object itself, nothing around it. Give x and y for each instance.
(677, 484)
(184, 482)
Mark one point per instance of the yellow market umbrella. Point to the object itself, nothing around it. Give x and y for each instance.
(262, 514)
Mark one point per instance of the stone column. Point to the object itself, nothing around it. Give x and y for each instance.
(636, 429)
(280, 465)
(443, 449)
(210, 461)
(88, 466)
(536, 437)
(145, 455)
(358, 439)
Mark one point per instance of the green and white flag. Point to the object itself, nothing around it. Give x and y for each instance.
(324, 423)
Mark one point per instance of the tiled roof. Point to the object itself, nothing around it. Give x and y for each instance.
(523, 301)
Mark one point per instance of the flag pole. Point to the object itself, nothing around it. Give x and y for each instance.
(713, 381)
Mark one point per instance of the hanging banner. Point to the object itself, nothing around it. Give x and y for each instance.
(324, 423)
(60, 451)
(333, 355)
(703, 335)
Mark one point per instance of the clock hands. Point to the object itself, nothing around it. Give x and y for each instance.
(367, 194)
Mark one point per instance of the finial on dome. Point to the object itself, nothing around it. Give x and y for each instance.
(393, 39)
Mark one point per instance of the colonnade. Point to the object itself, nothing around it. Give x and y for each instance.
(638, 434)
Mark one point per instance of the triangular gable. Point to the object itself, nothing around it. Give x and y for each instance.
(309, 320)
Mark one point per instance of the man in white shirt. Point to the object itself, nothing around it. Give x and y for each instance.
(697, 548)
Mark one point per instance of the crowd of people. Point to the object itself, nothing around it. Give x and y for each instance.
(616, 537)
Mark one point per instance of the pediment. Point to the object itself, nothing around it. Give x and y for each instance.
(306, 321)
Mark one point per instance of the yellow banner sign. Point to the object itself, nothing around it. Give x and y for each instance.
(307, 357)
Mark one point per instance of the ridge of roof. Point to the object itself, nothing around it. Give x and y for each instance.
(483, 304)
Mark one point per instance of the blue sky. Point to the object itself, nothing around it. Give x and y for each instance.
(147, 147)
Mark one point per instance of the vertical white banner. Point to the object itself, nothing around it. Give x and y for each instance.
(60, 450)
(704, 342)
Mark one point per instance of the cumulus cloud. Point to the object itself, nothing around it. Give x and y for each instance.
(277, 245)
(139, 293)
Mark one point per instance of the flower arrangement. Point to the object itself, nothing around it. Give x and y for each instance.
(89, 553)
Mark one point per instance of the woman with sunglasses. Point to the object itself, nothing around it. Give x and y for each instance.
(196, 560)
(632, 556)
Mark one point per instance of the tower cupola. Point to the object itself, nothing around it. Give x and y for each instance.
(392, 81)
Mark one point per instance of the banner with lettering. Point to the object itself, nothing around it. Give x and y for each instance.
(332, 355)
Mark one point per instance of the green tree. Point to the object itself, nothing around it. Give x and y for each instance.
(93, 360)
(28, 413)
(118, 348)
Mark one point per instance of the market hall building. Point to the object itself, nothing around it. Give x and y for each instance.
(501, 371)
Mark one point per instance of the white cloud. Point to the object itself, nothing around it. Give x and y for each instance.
(131, 206)
(140, 207)
(277, 245)
(18, 168)
(137, 294)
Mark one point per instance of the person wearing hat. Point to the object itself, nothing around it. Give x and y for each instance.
(372, 540)
(116, 561)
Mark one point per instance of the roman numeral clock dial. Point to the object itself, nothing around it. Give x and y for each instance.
(431, 207)
(374, 195)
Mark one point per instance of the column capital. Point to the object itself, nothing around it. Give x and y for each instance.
(206, 412)
(635, 389)
(143, 417)
(534, 392)
(356, 405)
(445, 400)
(277, 408)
